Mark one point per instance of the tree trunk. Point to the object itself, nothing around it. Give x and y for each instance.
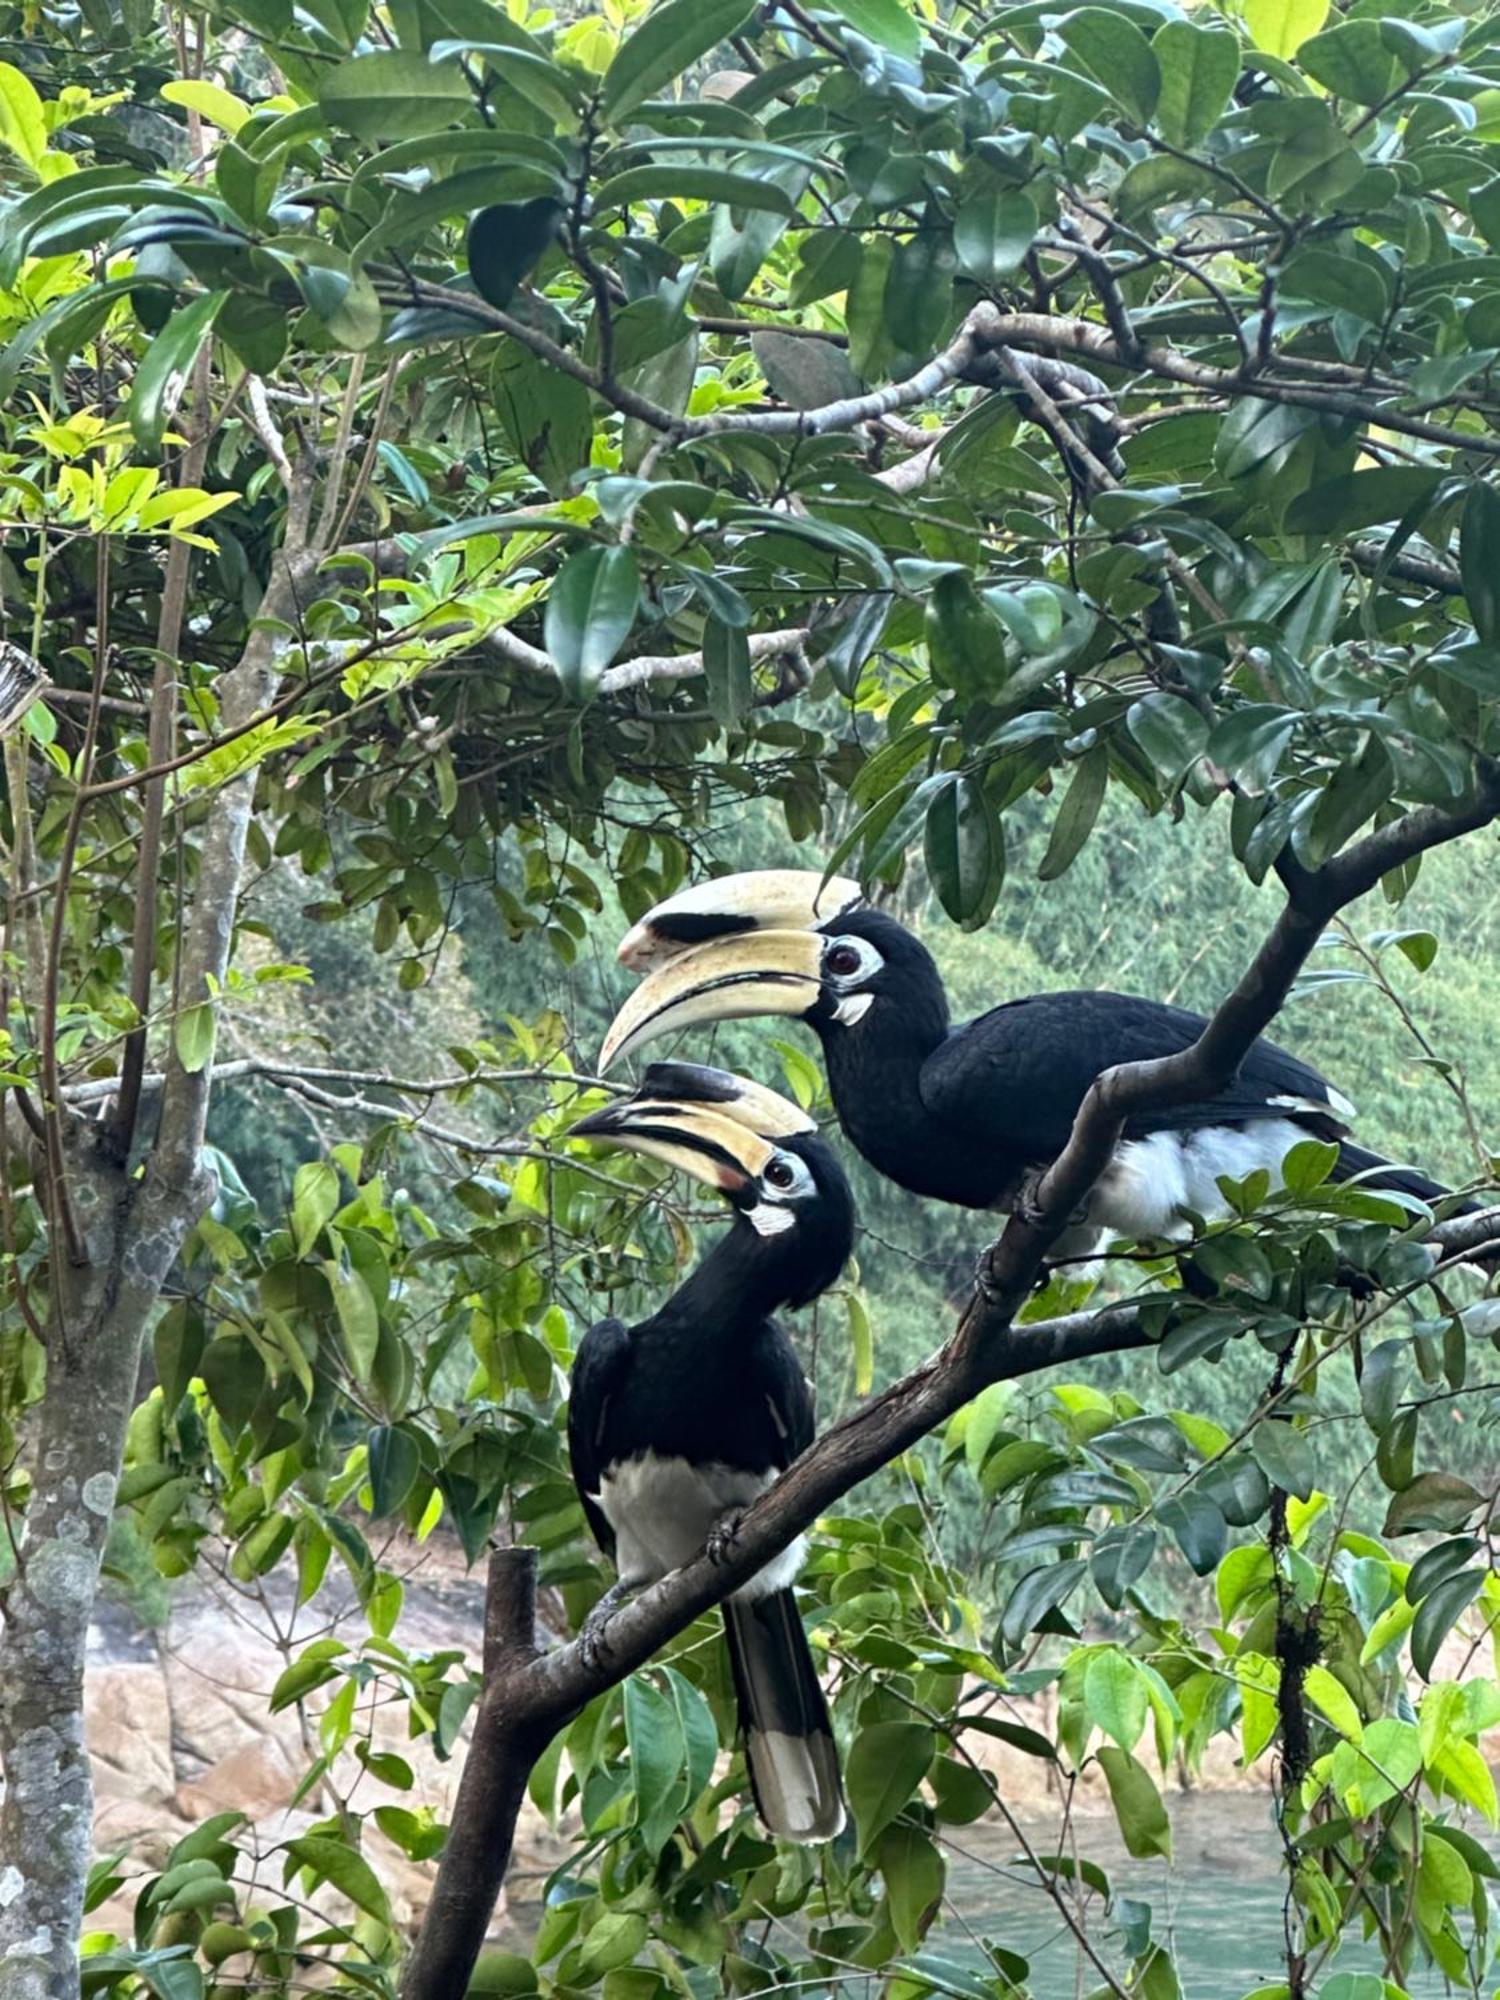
(131, 1232)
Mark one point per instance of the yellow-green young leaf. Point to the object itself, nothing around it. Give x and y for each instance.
(1392, 1623)
(861, 1342)
(1465, 1773)
(315, 1196)
(1144, 1826)
(1327, 1693)
(211, 101)
(330, 1859)
(1280, 27)
(23, 129)
(613, 1940)
(193, 1036)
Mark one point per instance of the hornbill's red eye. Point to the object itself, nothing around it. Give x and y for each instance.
(843, 961)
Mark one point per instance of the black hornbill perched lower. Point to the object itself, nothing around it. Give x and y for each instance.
(676, 1424)
(970, 1114)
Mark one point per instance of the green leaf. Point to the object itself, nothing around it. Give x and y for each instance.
(992, 231)
(612, 1940)
(506, 241)
(23, 126)
(886, 1764)
(1285, 1456)
(315, 1198)
(177, 1345)
(1438, 1613)
(1144, 1826)
(1199, 1527)
(884, 21)
(395, 1461)
(965, 851)
(1170, 731)
(234, 1376)
(590, 611)
(1353, 61)
(1344, 283)
(1280, 27)
(1118, 57)
(668, 41)
(393, 94)
(669, 183)
(1114, 1696)
(1038, 1594)
(1077, 813)
(658, 1760)
(914, 1873)
(166, 365)
(1438, 1500)
(330, 1859)
(726, 668)
(699, 1732)
(1356, 791)
(1119, 1558)
(193, 1036)
(1199, 67)
(1361, 499)
(1479, 558)
(359, 1323)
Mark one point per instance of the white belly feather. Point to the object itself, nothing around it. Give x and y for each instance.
(662, 1510)
(1153, 1184)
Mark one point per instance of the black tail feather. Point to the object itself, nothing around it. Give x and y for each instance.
(789, 1746)
(1380, 1173)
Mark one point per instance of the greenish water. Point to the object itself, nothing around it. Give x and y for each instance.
(1218, 1903)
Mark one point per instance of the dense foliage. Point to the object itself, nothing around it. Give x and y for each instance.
(466, 472)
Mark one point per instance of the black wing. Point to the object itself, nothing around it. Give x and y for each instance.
(789, 1395)
(598, 1369)
(1017, 1075)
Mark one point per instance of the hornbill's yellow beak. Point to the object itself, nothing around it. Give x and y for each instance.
(727, 979)
(768, 899)
(737, 1097)
(714, 1143)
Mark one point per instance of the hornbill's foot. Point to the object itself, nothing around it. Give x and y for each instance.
(593, 1637)
(987, 1274)
(723, 1535)
(1028, 1201)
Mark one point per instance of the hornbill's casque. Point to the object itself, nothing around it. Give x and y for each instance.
(678, 1423)
(971, 1114)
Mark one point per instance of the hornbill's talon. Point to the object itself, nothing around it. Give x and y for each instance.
(986, 1280)
(719, 1545)
(593, 1636)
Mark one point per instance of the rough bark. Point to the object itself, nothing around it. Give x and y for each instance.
(130, 1232)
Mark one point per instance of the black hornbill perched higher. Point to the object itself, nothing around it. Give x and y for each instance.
(676, 1424)
(970, 1114)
